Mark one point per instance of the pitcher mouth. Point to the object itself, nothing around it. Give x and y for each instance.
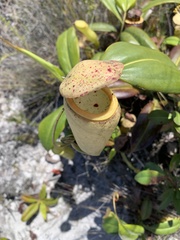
(104, 115)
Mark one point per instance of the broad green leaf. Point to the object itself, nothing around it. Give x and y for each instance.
(144, 67)
(111, 6)
(125, 5)
(50, 202)
(56, 71)
(102, 27)
(168, 227)
(154, 3)
(30, 211)
(68, 49)
(46, 128)
(127, 37)
(159, 117)
(141, 36)
(174, 163)
(166, 198)
(148, 177)
(43, 210)
(146, 208)
(28, 199)
(173, 40)
(43, 193)
(110, 222)
(132, 231)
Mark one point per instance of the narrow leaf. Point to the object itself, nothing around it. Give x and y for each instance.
(46, 128)
(156, 3)
(56, 71)
(165, 228)
(43, 193)
(102, 27)
(30, 212)
(50, 202)
(146, 208)
(176, 203)
(125, 5)
(166, 198)
(43, 210)
(28, 199)
(148, 177)
(111, 6)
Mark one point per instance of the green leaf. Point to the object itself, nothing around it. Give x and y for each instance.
(127, 37)
(156, 3)
(176, 118)
(159, 117)
(173, 40)
(97, 56)
(176, 202)
(148, 177)
(146, 208)
(50, 202)
(125, 5)
(30, 212)
(68, 49)
(166, 198)
(153, 166)
(110, 222)
(168, 227)
(102, 27)
(43, 210)
(28, 199)
(46, 128)
(144, 67)
(174, 163)
(43, 193)
(56, 71)
(112, 154)
(141, 36)
(111, 6)
(177, 193)
(63, 150)
(130, 231)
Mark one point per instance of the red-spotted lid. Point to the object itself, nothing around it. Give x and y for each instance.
(90, 75)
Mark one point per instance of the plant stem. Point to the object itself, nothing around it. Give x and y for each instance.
(128, 163)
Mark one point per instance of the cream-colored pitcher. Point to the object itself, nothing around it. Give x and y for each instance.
(91, 108)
